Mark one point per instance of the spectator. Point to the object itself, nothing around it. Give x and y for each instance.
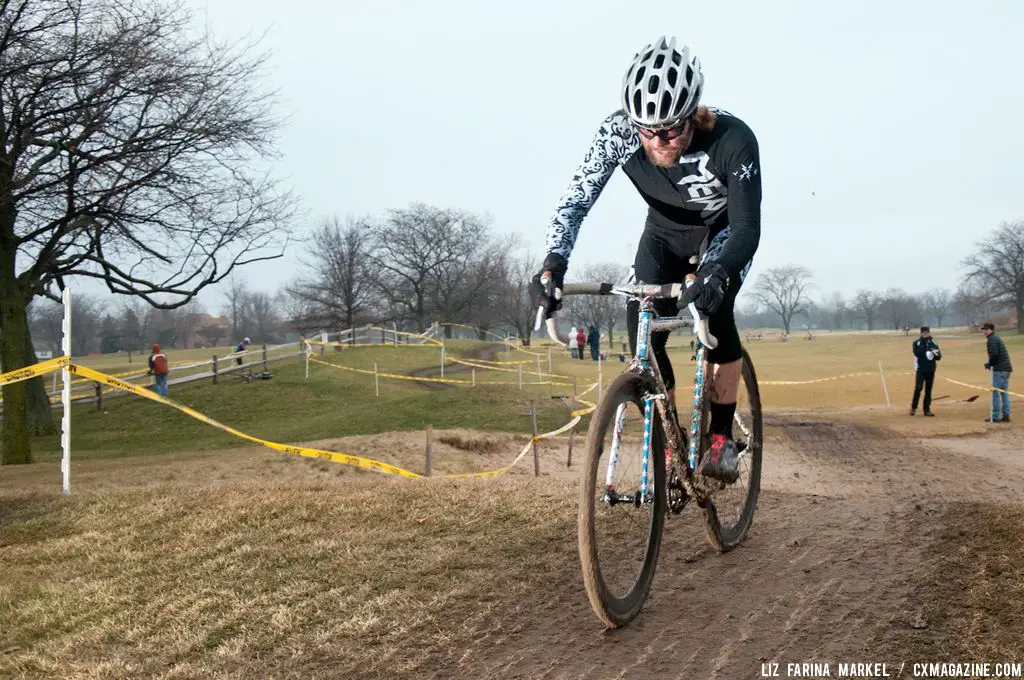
(594, 340)
(926, 353)
(158, 368)
(242, 346)
(999, 363)
(581, 341)
(574, 343)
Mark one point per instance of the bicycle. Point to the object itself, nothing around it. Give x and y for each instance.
(676, 481)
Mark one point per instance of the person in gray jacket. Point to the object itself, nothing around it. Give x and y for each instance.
(999, 363)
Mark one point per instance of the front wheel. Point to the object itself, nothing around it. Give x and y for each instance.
(729, 513)
(622, 500)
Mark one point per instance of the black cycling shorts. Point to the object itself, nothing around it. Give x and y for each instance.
(662, 257)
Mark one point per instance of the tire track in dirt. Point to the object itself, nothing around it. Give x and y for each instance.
(846, 515)
(486, 353)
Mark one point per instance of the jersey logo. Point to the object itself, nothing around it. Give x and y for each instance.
(745, 172)
(705, 191)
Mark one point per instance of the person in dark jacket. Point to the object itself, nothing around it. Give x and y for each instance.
(999, 363)
(594, 340)
(926, 353)
(240, 349)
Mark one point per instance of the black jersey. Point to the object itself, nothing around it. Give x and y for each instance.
(716, 184)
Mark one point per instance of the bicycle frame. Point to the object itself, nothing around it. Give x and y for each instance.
(643, 364)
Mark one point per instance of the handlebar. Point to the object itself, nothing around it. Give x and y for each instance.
(671, 290)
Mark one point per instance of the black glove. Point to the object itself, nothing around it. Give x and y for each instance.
(544, 295)
(987, 365)
(708, 291)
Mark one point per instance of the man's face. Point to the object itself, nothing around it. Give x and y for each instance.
(986, 331)
(926, 334)
(664, 148)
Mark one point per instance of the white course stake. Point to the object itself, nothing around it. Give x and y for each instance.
(65, 395)
(884, 388)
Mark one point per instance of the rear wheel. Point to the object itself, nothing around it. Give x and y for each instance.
(619, 525)
(729, 512)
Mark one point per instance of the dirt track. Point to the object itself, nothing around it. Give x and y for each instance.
(485, 353)
(844, 519)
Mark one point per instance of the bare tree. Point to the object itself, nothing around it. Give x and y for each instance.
(997, 268)
(136, 325)
(86, 317)
(110, 335)
(188, 321)
(784, 291)
(339, 290)
(600, 311)
(837, 310)
(867, 303)
(133, 152)
(513, 302)
(899, 308)
(300, 315)
(938, 303)
(47, 318)
(212, 333)
(411, 246)
(966, 304)
(460, 285)
(263, 313)
(236, 299)
(164, 327)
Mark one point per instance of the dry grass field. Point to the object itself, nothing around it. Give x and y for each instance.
(183, 553)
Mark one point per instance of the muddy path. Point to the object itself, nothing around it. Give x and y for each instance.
(486, 353)
(845, 516)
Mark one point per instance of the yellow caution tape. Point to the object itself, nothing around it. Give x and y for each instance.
(502, 470)
(467, 362)
(35, 370)
(58, 363)
(975, 387)
(817, 380)
(472, 328)
(344, 458)
(430, 342)
(452, 381)
(504, 363)
(526, 351)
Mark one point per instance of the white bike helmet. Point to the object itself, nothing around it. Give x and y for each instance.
(662, 85)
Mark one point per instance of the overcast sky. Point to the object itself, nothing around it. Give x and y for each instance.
(890, 132)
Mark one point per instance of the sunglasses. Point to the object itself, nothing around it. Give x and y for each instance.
(666, 134)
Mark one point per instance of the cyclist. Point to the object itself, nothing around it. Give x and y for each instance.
(699, 172)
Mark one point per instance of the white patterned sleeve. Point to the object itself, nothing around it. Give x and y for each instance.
(615, 142)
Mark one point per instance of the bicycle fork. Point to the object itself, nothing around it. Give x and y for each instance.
(645, 467)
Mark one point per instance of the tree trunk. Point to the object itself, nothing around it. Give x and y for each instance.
(524, 333)
(39, 411)
(16, 445)
(1020, 313)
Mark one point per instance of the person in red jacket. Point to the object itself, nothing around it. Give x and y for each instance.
(581, 341)
(158, 368)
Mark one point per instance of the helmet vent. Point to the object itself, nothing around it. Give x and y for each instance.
(666, 105)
